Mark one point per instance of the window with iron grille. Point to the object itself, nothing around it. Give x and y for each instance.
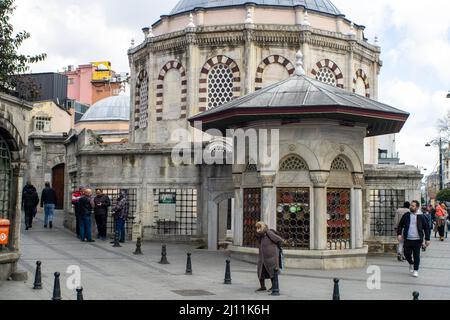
(383, 205)
(327, 76)
(252, 215)
(175, 211)
(339, 164)
(220, 86)
(42, 124)
(338, 219)
(293, 163)
(293, 216)
(5, 179)
(143, 103)
(113, 194)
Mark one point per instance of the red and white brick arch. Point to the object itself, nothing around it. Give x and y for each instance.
(362, 75)
(160, 89)
(333, 67)
(140, 111)
(268, 61)
(203, 82)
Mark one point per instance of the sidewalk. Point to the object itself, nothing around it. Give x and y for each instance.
(115, 273)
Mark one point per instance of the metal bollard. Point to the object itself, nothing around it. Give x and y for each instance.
(164, 255)
(80, 294)
(189, 264)
(336, 294)
(138, 247)
(38, 277)
(227, 272)
(275, 285)
(56, 288)
(116, 240)
(416, 295)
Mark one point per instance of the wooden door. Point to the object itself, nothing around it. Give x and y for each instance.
(58, 185)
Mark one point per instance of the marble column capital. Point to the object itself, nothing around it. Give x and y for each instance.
(358, 180)
(237, 180)
(267, 180)
(319, 178)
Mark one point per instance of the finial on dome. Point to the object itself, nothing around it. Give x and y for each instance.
(299, 71)
(249, 16)
(132, 42)
(191, 21)
(150, 32)
(306, 20)
(352, 31)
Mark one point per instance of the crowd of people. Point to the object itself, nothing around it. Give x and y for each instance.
(85, 205)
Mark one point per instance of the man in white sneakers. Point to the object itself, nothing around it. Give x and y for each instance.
(412, 229)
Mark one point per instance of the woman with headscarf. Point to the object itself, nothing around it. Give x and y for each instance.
(269, 253)
(120, 211)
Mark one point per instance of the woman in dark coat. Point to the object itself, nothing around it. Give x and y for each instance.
(30, 201)
(269, 253)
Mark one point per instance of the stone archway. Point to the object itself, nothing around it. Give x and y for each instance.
(216, 207)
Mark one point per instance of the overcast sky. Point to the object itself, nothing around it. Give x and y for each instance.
(414, 36)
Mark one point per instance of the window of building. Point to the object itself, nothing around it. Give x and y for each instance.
(338, 219)
(143, 104)
(252, 214)
(383, 205)
(293, 163)
(220, 86)
(42, 124)
(327, 76)
(339, 164)
(293, 216)
(383, 154)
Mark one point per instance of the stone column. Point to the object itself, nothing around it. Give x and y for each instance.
(319, 216)
(238, 221)
(18, 171)
(213, 219)
(357, 211)
(268, 201)
(249, 62)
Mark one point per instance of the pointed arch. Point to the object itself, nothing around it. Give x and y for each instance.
(293, 162)
(328, 72)
(268, 61)
(360, 74)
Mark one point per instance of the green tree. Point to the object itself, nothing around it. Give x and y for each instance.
(443, 195)
(12, 63)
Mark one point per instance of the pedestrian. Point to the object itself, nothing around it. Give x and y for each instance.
(102, 203)
(398, 216)
(30, 201)
(441, 217)
(120, 212)
(413, 229)
(48, 202)
(75, 198)
(427, 214)
(86, 204)
(269, 254)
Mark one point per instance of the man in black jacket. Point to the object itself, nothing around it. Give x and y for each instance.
(30, 201)
(86, 206)
(102, 202)
(413, 228)
(48, 202)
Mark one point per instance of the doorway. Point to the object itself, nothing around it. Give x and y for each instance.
(58, 185)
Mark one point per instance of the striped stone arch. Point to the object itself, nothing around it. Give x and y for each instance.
(203, 85)
(268, 61)
(12, 138)
(361, 74)
(160, 89)
(333, 67)
(141, 112)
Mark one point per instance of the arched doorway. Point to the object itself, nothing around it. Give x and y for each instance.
(58, 185)
(5, 179)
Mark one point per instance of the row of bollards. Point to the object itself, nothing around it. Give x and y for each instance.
(56, 284)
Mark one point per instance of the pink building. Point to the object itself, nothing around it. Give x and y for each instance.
(79, 87)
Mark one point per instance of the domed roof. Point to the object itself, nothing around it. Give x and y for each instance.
(324, 6)
(115, 108)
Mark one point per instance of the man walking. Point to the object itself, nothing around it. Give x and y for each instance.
(86, 204)
(120, 211)
(398, 216)
(48, 202)
(102, 203)
(413, 228)
(75, 199)
(30, 201)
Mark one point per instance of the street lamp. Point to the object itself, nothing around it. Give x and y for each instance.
(441, 161)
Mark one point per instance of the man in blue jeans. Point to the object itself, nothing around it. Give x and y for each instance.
(48, 202)
(86, 206)
(121, 214)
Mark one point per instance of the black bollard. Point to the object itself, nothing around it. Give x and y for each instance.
(116, 240)
(227, 273)
(415, 295)
(275, 284)
(336, 294)
(80, 294)
(57, 288)
(164, 255)
(38, 277)
(138, 247)
(189, 264)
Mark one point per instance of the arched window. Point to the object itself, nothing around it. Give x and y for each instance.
(361, 84)
(220, 86)
(171, 92)
(141, 103)
(328, 72)
(293, 163)
(272, 70)
(339, 164)
(326, 75)
(5, 179)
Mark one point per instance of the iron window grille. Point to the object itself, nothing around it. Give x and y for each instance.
(5, 179)
(220, 86)
(383, 206)
(338, 219)
(327, 76)
(252, 215)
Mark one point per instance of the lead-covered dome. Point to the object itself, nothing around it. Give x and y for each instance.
(115, 108)
(324, 6)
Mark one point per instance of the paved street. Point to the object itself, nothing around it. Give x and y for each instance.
(115, 273)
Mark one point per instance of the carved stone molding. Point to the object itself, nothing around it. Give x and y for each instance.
(267, 180)
(320, 178)
(358, 179)
(237, 180)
